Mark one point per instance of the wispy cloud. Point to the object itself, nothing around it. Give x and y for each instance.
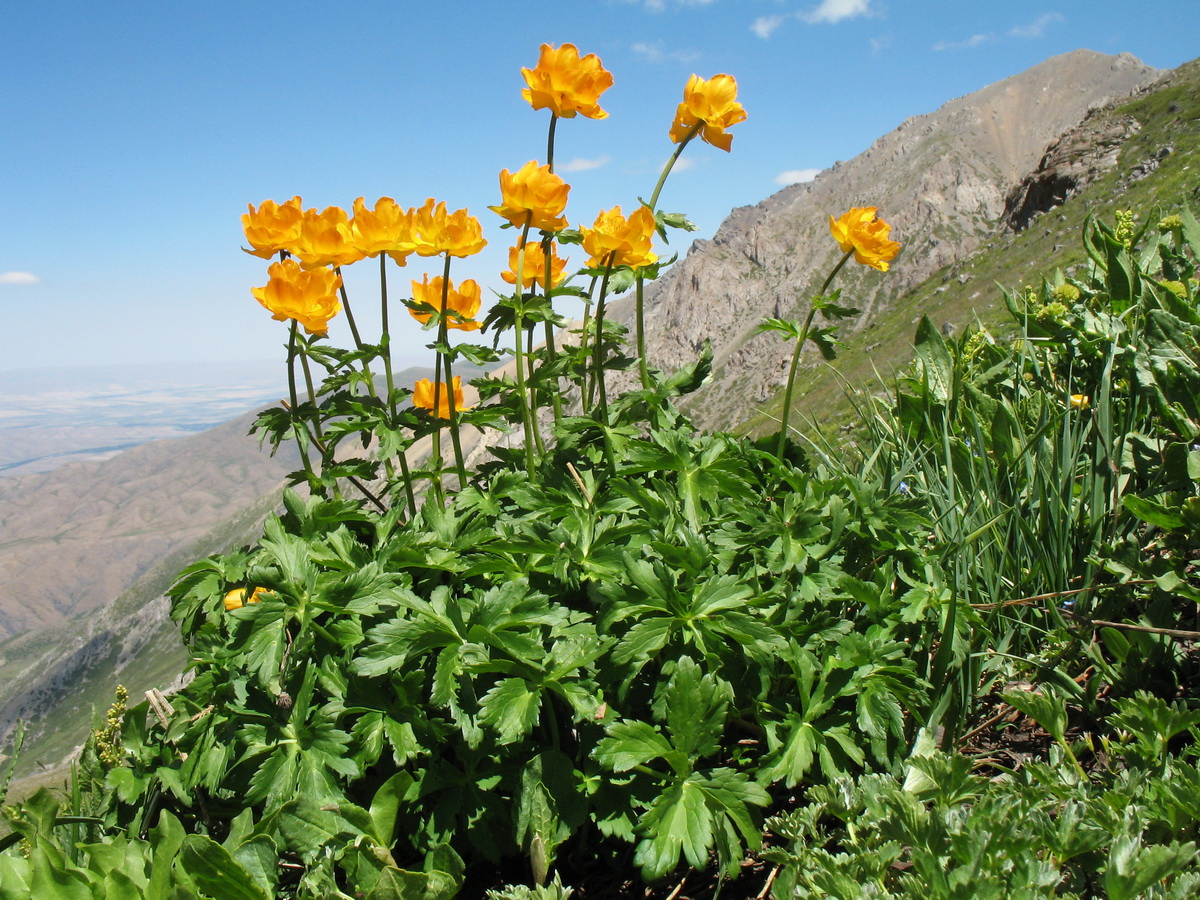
(18, 278)
(660, 5)
(973, 41)
(1036, 28)
(579, 164)
(881, 43)
(656, 52)
(764, 25)
(797, 176)
(833, 11)
(683, 164)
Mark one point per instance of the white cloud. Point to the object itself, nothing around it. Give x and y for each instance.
(973, 41)
(656, 52)
(1036, 28)
(833, 11)
(579, 164)
(797, 176)
(764, 25)
(660, 5)
(18, 278)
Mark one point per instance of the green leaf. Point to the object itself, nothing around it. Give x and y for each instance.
(678, 820)
(215, 872)
(696, 708)
(1133, 867)
(629, 744)
(934, 361)
(511, 707)
(385, 807)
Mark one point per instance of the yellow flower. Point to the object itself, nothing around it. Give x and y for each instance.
(422, 397)
(272, 227)
(713, 103)
(534, 266)
(1080, 401)
(615, 240)
(385, 229)
(307, 295)
(436, 231)
(861, 231)
(325, 239)
(236, 598)
(534, 195)
(565, 84)
(464, 300)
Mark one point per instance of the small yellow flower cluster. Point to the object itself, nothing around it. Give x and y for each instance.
(306, 288)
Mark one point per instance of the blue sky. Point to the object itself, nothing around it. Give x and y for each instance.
(134, 133)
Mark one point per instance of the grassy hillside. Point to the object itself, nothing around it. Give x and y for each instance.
(968, 292)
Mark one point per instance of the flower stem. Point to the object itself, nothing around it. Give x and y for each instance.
(346, 306)
(444, 341)
(800, 342)
(662, 179)
(643, 366)
(598, 346)
(301, 440)
(519, 345)
(385, 341)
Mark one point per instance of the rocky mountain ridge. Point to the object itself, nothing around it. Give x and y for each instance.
(942, 180)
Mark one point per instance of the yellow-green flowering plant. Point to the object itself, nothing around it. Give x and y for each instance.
(624, 644)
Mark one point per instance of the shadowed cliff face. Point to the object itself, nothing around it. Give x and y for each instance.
(941, 180)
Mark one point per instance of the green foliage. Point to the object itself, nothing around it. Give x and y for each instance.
(652, 638)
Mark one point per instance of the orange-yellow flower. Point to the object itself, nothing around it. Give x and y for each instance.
(236, 598)
(533, 266)
(422, 397)
(1080, 401)
(385, 229)
(463, 300)
(861, 231)
(566, 84)
(307, 295)
(535, 195)
(325, 239)
(272, 227)
(615, 240)
(437, 231)
(713, 103)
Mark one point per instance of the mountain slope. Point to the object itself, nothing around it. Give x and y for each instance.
(1137, 154)
(942, 180)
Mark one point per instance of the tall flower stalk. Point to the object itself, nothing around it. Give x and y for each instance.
(861, 234)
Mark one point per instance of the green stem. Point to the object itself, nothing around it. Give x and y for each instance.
(385, 341)
(519, 345)
(346, 306)
(583, 339)
(662, 179)
(551, 350)
(786, 415)
(643, 367)
(444, 341)
(598, 345)
(301, 440)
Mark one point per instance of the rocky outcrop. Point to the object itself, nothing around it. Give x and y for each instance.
(942, 180)
(1073, 162)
